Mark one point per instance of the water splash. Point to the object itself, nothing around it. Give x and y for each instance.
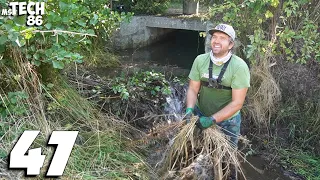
(176, 102)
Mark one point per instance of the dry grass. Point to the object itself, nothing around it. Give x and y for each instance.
(209, 148)
(263, 96)
(21, 76)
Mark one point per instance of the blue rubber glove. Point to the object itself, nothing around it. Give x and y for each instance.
(205, 122)
(188, 115)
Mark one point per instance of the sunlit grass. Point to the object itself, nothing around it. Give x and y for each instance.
(302, 163)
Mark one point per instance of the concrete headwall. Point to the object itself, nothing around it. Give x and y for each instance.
(144, 30)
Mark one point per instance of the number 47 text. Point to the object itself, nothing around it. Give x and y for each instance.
(33, 161)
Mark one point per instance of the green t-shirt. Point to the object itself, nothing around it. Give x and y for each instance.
(236, 76)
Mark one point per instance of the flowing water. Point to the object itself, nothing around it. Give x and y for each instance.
(175, 55)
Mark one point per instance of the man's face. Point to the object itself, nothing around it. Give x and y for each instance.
(220, 44)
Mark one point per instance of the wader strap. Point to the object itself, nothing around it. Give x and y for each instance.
(210, 69)
(223, 70)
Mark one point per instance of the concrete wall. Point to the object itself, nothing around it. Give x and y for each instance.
(144, 30)
(207, 46)
(131, 34)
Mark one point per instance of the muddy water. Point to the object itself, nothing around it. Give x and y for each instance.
(175, 55)
(270, 173)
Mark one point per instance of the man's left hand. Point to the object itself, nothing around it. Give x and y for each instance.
(205, 122)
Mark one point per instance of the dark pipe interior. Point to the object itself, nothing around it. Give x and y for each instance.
(179, 48)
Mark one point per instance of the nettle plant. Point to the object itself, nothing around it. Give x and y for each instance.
(271, 27)
(66, 32)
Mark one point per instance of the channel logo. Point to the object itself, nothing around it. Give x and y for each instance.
(32, 10)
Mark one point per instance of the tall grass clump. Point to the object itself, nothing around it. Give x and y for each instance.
(304, 124)
(100, 149)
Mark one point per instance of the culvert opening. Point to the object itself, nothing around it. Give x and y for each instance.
(178, 47)
(173, 47)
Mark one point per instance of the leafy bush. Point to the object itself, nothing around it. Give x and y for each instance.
(263, 27)
(65, 34)
(151, 6)
(150, 84)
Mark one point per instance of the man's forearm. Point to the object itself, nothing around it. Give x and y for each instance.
(226, 112)
(191, 98)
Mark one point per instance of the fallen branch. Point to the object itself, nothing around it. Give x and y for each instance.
(60, 31)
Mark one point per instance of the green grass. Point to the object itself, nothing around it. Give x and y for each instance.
(104, 157)
(303, 163)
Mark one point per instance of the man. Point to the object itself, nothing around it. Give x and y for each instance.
(218, 85)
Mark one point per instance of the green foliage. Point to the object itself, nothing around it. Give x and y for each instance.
(98, 141)
(151, 6)
(267, 28)
(12, 104)
(301, 162)
(149, 83)
(31, 54)
(108, 155)
(146, 6)
(303, 124)
(64, 35)
(97, 58)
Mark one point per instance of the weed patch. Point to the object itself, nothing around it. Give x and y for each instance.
(303, 163)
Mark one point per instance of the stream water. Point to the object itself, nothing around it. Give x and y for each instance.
(174, 55)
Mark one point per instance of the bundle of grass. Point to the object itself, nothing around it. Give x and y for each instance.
(199, 154)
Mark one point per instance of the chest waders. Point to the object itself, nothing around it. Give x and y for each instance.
(230, 130)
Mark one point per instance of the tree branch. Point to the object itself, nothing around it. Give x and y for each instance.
(61, 31)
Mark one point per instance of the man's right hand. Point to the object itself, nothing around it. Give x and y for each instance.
(188, 115)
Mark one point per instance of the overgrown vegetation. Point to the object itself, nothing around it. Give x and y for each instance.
(287, 28)
(144, 6)
(34, 95)
(137, 97)
(270, 30)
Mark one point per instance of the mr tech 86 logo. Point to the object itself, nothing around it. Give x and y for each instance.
(32, 10)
